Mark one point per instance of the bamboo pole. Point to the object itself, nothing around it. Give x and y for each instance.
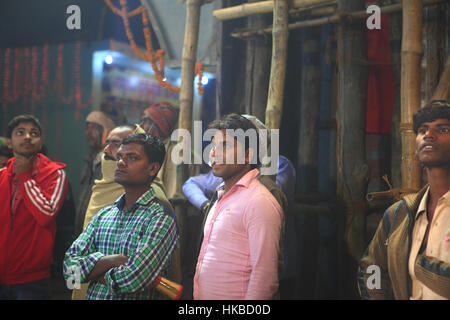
(278, 65)
(442, 91)
(352, 169)
(257, 67)
(334, 18)
(410, 90)
(188, 59)
(248, 9)
(308, 145)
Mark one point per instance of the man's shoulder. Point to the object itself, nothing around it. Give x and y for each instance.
(159, 207)
(50, 165)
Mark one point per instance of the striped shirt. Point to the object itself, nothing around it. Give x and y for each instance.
(147, 233)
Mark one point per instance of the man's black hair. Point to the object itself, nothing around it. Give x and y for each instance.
(235, 121)
(436, 109)
(153, 146)
(22, 118)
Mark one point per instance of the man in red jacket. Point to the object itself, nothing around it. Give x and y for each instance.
(32, 191)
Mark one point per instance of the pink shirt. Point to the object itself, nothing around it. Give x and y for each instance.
(239, 254)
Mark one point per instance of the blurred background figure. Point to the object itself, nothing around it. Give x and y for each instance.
(5, 155)
(98, 126)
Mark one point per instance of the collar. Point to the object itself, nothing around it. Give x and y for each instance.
(445, 198)
(248, 178)
(244, 181)
(143, 200)
(423, 204)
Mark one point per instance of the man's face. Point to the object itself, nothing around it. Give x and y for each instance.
(133, 168)
(149, 126)
(94, 133)
(225, 154)
(25, 139)
(113, 142)
(433, 143)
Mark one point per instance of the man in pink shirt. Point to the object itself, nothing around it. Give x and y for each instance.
(239, 253)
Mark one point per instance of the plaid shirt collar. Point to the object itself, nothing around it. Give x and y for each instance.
(144, 200)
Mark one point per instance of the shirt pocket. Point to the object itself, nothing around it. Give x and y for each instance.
(131, 240)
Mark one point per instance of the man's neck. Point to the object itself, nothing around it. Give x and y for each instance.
(439, 180)
(132, 194)
(231, 181)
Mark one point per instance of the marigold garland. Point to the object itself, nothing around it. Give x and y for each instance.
(150, 55)
(22, 78)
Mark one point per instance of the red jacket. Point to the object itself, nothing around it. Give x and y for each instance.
(27, 224)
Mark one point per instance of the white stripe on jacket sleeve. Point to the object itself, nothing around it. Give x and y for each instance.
(48, 207)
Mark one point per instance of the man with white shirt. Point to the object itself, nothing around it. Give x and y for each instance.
(411, 246)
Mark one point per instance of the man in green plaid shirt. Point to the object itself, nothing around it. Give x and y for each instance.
(128, 245)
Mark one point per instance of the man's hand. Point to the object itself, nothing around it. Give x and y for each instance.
(104, 264)
(23, 164)
(116, 260)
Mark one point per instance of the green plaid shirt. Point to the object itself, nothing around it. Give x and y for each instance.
(147, 233)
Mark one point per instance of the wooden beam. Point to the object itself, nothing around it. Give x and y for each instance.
(248, 9)
(410, 90)
(310, 84)
(257, 67)
(189, 56)
(334, 18)
(278, 65)
(352, 169)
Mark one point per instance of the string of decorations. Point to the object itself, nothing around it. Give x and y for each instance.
(150, 55)
(26, 76)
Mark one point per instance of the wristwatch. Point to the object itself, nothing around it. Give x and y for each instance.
(204, 206)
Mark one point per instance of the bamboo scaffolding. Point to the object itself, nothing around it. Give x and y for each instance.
(442, 91)
(278, 65)
(334, 18)
(188, 59)
(248, 9)
(410, 90)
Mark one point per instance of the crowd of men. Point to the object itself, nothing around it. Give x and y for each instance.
(126, 233)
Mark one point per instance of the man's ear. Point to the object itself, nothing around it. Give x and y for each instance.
(8, 143)
(153, 169)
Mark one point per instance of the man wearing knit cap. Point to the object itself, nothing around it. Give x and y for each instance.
(98, 126)
(159, 120)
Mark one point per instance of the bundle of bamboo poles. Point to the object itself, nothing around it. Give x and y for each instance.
(336, 17)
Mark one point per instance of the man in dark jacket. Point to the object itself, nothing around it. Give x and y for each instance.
(409, 256)
(32, 189)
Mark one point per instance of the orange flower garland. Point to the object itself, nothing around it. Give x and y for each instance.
(150, 55)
